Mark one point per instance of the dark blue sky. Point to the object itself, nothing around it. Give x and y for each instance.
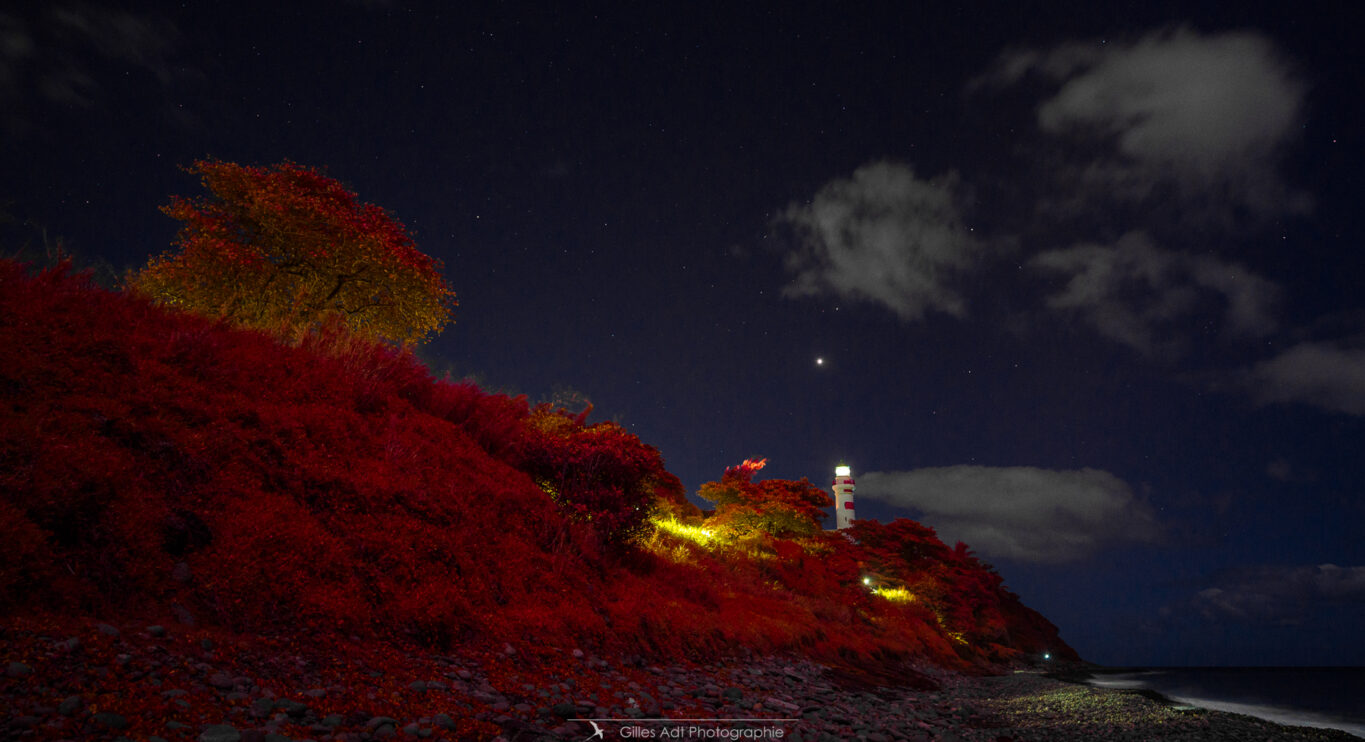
(1085, 279)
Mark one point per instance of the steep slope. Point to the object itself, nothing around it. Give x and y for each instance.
(159, 465)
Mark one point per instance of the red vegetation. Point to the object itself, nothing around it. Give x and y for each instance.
(776, 506)
(287, 248)
(155, 463)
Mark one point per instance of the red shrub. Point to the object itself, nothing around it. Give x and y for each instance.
(149, 458)
(597, 473)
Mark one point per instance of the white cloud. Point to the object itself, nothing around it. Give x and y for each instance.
(882, 236)
(1021, 513)
(1280, 595)
(50, 53)
(1207, 114)
(1153, 299)
(1319, 374)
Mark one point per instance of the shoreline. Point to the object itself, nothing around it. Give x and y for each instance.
(78, 680)
(1290, 716)
(1061, 706)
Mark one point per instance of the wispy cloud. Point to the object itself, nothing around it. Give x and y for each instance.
(1150, 299)
(58, 56)
(1204, 115)
(1324, 375)
(1021, 513)
(1280, 595)
(884, 236)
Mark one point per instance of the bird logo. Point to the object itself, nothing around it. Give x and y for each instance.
(596, 732)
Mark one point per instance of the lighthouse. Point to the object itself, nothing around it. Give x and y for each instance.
(843, 497)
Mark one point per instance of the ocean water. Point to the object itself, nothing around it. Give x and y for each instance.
(1332, 697)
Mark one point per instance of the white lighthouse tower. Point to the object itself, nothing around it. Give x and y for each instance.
(843, 497)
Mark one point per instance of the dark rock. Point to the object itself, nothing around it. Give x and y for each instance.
(487, 698)
(221, 680)
(380, 721)
(107, 629)
(111, 720)
(778, 704)
(516, 730)
(18, 670)
(157, 631)
(70, 705)
(565, 710)
(183, 615)
(220, 733)
(291, 707)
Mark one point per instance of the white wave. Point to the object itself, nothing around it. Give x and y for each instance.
(1288, 717)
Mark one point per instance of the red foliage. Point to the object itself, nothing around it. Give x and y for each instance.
(288, 248)
(597, 473)
(150, 458)
(777, 506)
(135, 440)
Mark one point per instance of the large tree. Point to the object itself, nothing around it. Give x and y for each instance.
(286, 249)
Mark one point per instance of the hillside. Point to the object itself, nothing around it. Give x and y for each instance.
(335, 502)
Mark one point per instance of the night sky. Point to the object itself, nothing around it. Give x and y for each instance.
(1076, 284)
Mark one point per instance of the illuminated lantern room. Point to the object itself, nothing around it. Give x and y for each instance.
(843, 497)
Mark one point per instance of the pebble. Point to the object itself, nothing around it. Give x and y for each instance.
(110, 720)
(220, 733)
(821, 703)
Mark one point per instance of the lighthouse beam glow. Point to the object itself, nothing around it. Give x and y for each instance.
(843, 497)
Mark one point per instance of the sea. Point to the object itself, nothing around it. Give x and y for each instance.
(1330, 697)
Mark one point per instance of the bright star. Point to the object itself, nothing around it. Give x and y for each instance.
(819, 361)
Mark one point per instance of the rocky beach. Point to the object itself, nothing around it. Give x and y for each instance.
(157, 682)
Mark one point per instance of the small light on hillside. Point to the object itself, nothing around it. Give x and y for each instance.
(867, 580)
